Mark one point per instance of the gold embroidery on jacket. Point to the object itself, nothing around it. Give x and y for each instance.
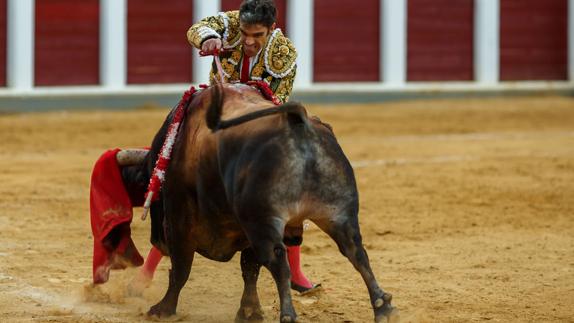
(276, 64)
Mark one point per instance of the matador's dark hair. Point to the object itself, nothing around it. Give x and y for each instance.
(258, 12)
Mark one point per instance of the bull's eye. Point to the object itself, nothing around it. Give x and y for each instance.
(279, 252)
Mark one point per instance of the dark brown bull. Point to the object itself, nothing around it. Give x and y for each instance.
(246, 184)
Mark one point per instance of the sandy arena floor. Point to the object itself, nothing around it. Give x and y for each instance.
(467, 212)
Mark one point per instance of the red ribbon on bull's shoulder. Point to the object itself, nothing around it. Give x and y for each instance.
(265, 91)
(162, 162)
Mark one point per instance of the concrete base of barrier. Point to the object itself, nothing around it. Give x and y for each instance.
(47, 99)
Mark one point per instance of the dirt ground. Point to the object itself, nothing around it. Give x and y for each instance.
(467, 213)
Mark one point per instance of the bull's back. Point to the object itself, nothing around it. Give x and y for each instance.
(294, 168)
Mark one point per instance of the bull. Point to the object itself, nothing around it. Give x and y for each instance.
(243, 177)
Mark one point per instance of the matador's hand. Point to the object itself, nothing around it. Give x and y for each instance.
(211, 45)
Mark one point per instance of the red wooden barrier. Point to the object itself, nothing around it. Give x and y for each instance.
(533, 40)
(3, 30)
(346, 37)
(440, 40)
(158, 51)
(67, 42)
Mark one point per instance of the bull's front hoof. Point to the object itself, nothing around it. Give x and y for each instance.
(388, 314)
(249, 314)
(288, 319)
(161, 311)
(384, 311)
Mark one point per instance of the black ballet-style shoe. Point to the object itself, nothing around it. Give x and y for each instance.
(305, 290)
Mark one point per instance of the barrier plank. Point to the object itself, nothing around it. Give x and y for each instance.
(346, 40)
(3, 44)
(67, 42)
(440, 40)
(533, 40)
(157, 48)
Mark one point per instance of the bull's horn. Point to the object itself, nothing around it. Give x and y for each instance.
(130, 157)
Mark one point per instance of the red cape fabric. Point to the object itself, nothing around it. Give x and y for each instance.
(110, 208)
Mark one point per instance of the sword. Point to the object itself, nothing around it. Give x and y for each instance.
(215, 55)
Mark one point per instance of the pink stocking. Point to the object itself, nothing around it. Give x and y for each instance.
(293, 254)
(151, 262)
(297, 276)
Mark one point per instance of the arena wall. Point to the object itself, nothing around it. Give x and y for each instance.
(156, 50)
(2, 43)
(533, 40)
(440, 40)
(63, 48)
(346, 41)
(66, 46)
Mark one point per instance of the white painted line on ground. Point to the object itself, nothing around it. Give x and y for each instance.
(406, 161)
(451, 159)
(465, 137)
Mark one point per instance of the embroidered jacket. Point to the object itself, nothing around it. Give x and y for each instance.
(275, 64)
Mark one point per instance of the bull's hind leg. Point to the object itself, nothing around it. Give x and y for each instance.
(345, 231)
(250, 309)
(267, 242)
(279, 268)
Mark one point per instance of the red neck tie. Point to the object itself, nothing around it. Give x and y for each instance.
(245, 69)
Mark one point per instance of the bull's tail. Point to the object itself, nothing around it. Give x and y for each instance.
(296, 113)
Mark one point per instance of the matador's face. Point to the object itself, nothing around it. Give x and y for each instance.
(254, 37)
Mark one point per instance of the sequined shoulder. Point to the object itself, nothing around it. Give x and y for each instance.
(231, 34)
(280, 55)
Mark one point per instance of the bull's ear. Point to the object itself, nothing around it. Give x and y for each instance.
(319, 121)
(213, 113)
(296, 113)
